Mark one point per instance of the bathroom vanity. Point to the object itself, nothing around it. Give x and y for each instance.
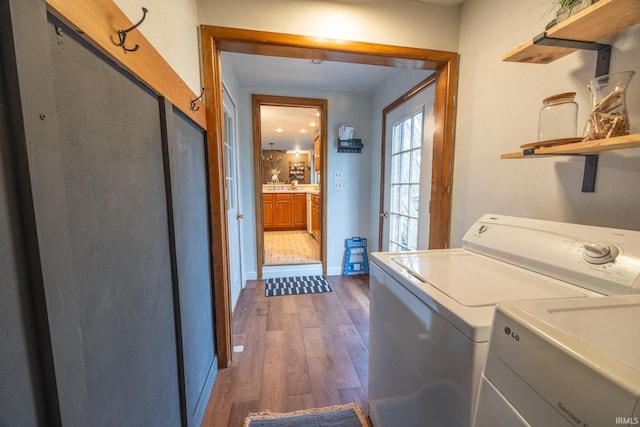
(285, 207)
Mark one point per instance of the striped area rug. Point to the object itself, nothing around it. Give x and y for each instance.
(340, 415)
(296, 286)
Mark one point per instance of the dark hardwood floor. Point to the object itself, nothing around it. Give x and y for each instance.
(300, 352)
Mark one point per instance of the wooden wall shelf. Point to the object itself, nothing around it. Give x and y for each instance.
(600, 20)
(581, 31)
(588, 147)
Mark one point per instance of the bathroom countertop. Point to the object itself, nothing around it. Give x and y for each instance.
(287, 189)
(291, 191)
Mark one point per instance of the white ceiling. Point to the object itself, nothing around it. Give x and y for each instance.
(288, 128)
(302, 73)
(269, 71)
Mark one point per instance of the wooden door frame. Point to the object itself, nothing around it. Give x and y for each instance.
(287, 101)
(216, 39)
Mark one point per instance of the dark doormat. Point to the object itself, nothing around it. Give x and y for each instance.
(335, 416)
(296, 286)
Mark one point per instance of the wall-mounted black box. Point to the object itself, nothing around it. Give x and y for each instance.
(349, 145)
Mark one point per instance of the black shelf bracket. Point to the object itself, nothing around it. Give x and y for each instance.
(604, 50)
(590, 167)
(603, 60)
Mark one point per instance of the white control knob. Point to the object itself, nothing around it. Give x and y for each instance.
(599, 253)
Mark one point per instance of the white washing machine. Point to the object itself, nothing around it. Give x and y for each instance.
(563, 363)
(431, 311)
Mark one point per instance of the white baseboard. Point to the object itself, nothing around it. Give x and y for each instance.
(252, 275)
(273, 271)
(335, 271)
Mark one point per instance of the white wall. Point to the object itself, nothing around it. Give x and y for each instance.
(230, 80)
(408, 23)
(171, 26)
(498, 104)
(348, 211)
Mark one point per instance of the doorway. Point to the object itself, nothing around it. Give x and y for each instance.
(218, 39)
(281, 201)
(405, 188)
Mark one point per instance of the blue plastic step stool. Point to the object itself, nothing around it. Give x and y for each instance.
(355, 258)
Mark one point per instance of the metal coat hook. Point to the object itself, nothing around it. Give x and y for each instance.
(122, 34)
(193, 103)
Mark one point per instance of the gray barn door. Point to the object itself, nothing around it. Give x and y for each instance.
(186, 153)
(105, 269)
(110, 140)
(21, 387)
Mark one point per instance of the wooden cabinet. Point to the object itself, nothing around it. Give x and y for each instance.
(317, 161)
(267, 210)
(282, 217)
(299, 209)
(284, 211)
(315, 216)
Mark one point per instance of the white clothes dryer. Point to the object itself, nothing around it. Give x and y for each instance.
(431, 311)
(563, 363)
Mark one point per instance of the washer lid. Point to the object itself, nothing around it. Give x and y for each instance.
(475, 281)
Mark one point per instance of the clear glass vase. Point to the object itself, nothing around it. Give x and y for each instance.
(609, 116)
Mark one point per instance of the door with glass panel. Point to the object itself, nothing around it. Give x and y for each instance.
(407, 186)
(231, 193)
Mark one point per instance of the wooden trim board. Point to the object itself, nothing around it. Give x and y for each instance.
(305, 47)
(217, 201)
(98, 21)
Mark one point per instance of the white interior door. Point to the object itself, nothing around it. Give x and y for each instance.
(231, 193)
(408, 166)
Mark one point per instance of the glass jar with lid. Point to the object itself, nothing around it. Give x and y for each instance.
(558, 118)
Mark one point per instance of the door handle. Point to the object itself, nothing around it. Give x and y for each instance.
(384, 214)
(240, 216)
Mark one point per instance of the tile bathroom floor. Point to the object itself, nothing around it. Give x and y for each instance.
(290, 247)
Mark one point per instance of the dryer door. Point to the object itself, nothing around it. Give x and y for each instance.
(493, 410)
